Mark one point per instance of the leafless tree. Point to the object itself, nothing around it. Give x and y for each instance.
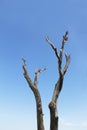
(57, 88)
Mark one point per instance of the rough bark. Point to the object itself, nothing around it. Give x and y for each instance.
(58, 86)
(33, 86)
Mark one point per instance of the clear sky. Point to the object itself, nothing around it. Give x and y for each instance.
(23, 27)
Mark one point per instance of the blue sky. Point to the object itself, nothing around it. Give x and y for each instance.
(23, 27)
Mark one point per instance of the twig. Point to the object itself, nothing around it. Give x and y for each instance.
(37, 73)
(53, 47)
(24, 61)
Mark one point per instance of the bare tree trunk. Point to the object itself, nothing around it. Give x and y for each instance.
(33, 86)
(58, 86)
(53, 106)
(57, 89)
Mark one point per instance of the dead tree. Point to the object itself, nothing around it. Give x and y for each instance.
(57, 88)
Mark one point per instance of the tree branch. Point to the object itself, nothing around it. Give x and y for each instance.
(67, 63)
(59, 84)
(65, 38)
(27, 77)
(53, 47)
(37, 73)
(40, 125)
(59, 55)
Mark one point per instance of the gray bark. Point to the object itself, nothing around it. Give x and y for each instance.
(58, 86)
(33, 86)
(57, 89)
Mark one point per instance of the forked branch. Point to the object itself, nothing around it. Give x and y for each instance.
(40, 124)
(59, 84)
(60, 54)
